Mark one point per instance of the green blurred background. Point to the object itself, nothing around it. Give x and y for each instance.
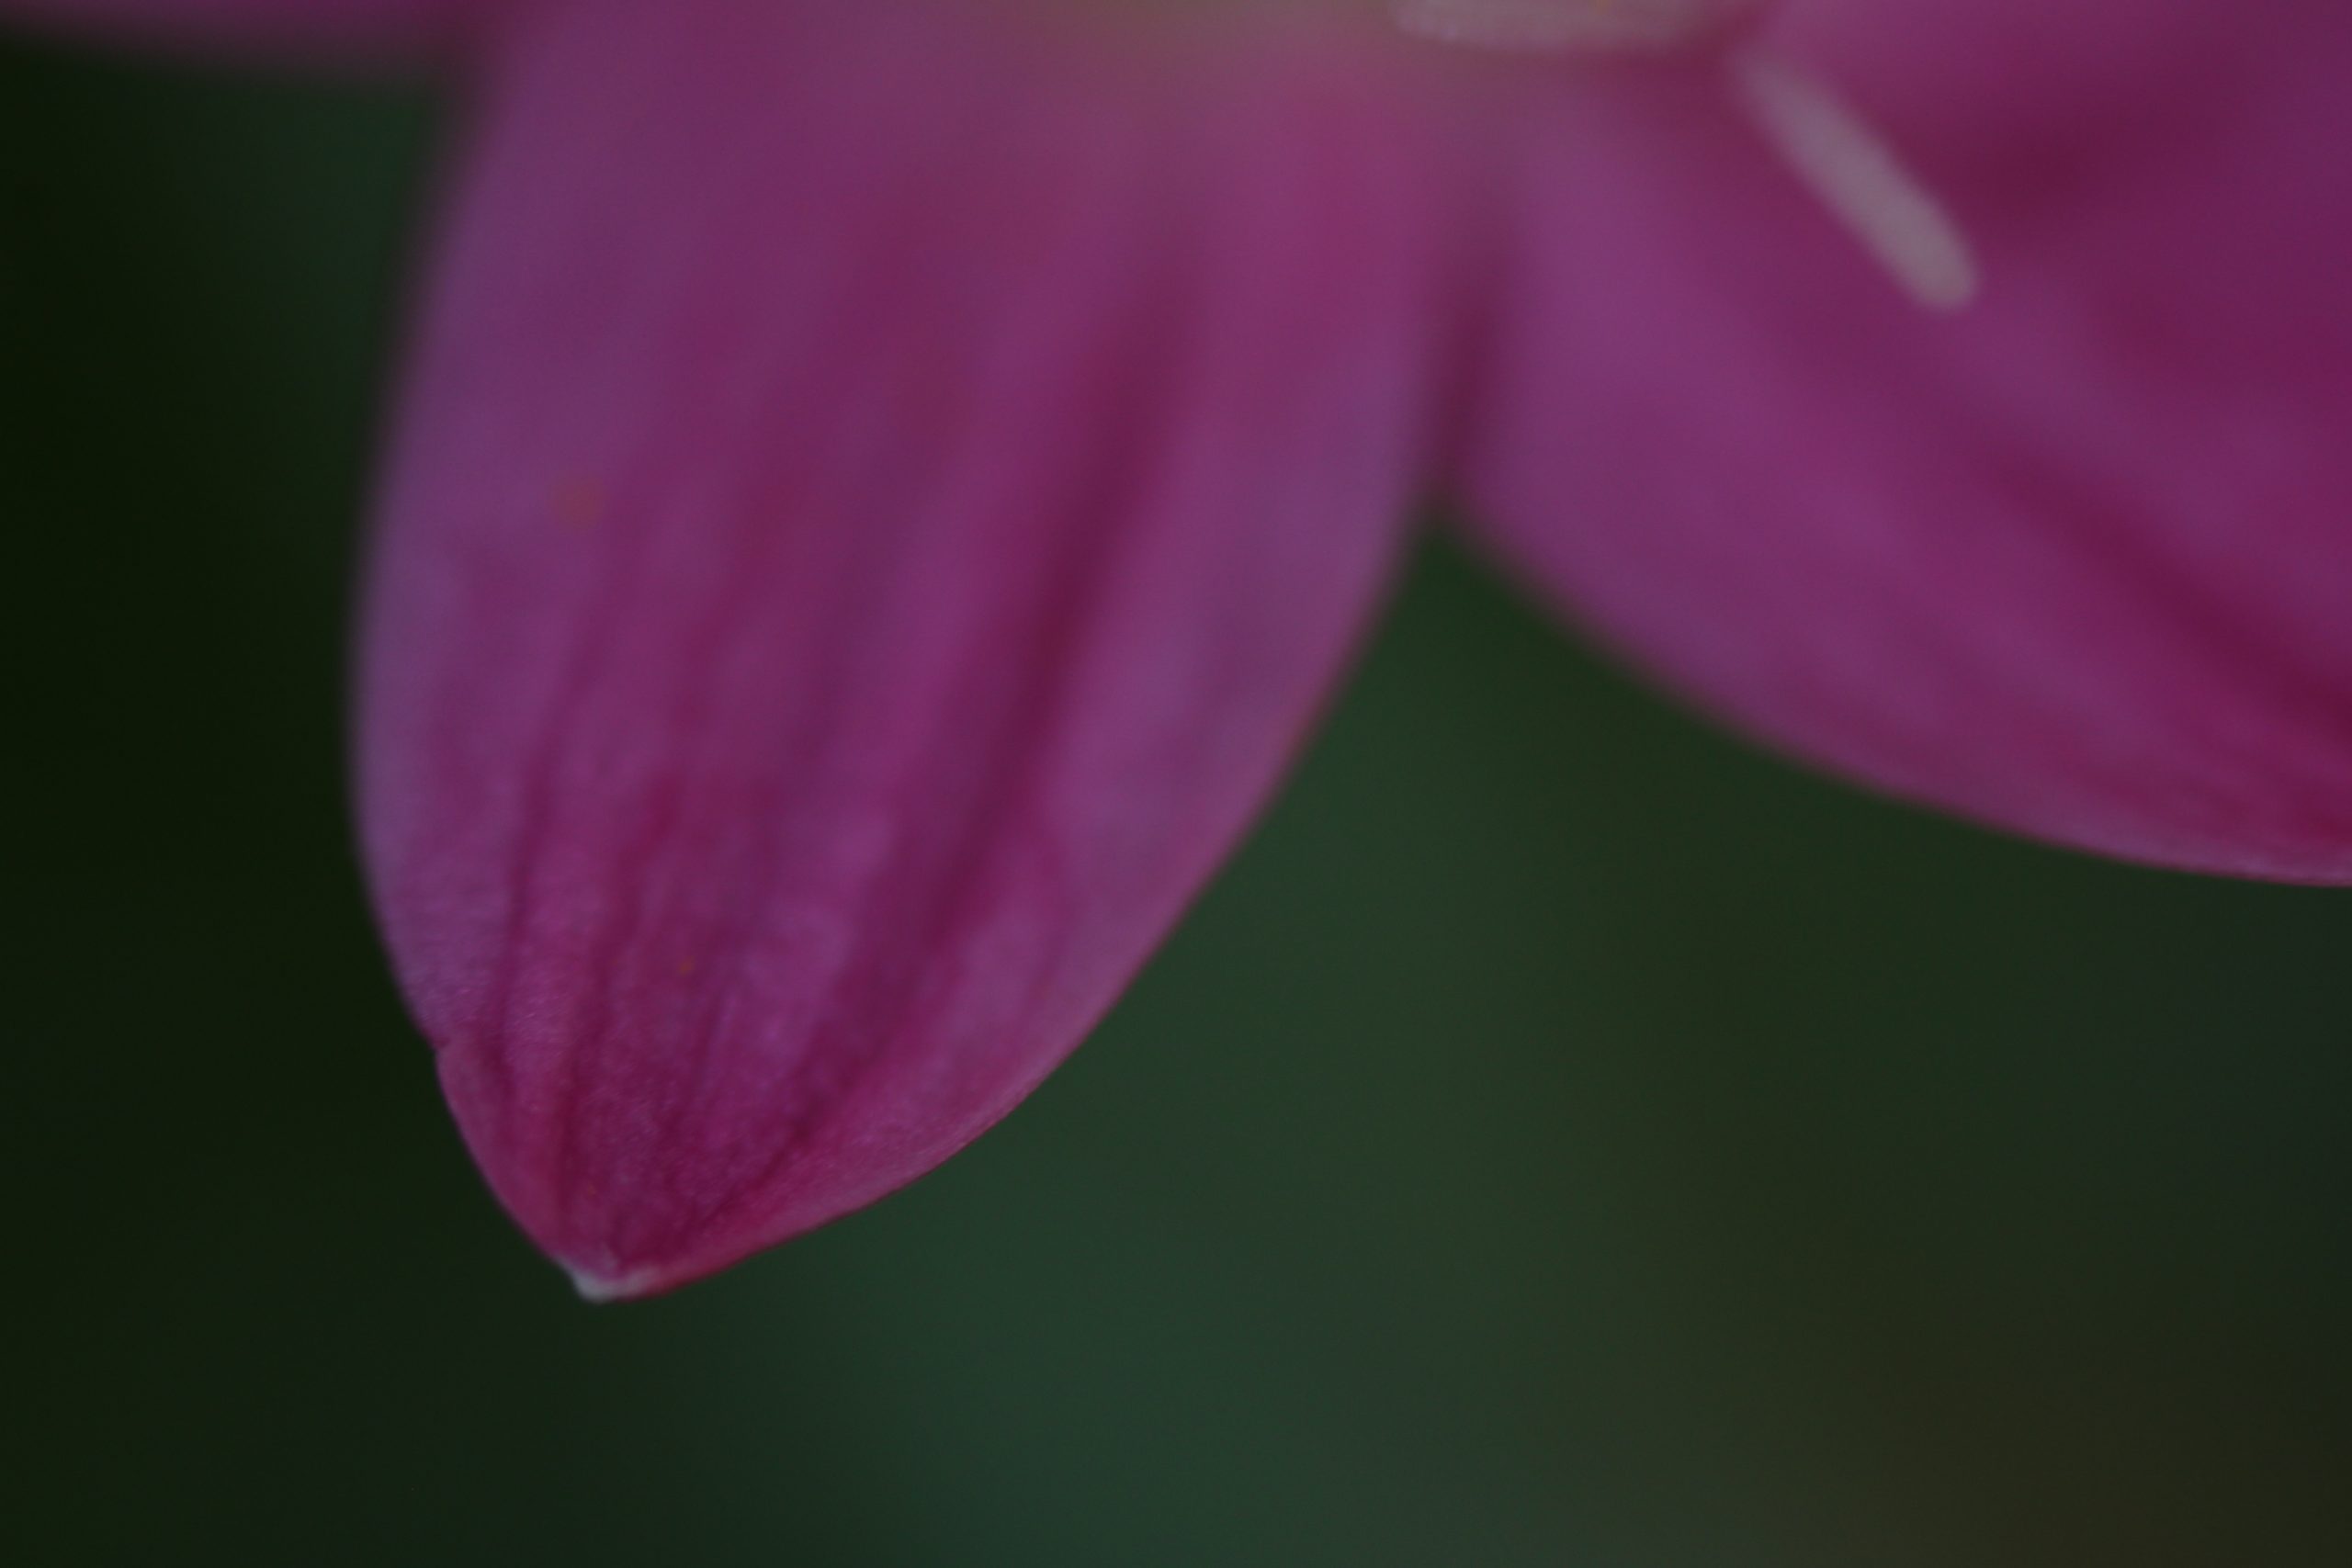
(1565, 1136)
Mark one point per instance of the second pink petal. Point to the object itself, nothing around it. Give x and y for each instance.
(2076, 561)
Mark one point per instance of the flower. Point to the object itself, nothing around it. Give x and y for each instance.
(885, 484)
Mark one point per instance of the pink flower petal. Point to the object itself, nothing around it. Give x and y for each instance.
(2077, 560)
(884, 493)
(276, 26)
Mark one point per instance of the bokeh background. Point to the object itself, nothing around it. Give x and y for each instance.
(1565, 1136)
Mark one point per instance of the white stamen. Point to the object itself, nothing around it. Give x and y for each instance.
(1828, 145)
(1825, 143)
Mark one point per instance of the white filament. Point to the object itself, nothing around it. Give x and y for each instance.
(1831, 149)
(1852, 171)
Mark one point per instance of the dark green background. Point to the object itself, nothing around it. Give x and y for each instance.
(1565, 1137)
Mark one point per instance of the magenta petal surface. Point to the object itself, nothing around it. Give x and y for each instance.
(271, 26)
(884, 493)
(2076, 561)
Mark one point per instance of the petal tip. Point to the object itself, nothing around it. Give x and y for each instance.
(597, 1288)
